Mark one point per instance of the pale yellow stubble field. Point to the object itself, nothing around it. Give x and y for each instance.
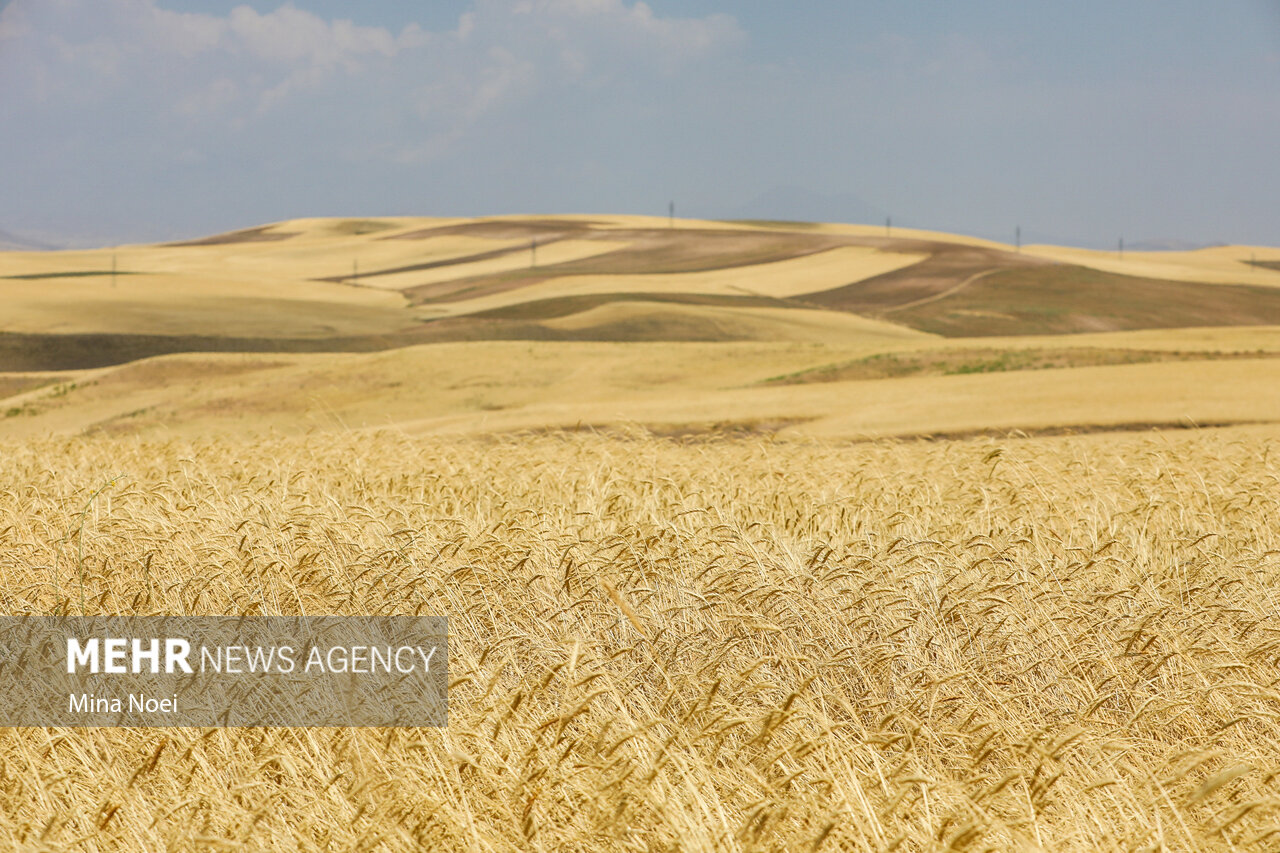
(496, 386)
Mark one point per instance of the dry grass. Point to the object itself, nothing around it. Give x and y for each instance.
(1219, 264)
(960, 361)
(494, 386)
(1054, 644)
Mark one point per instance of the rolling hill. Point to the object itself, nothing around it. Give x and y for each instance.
(519, 322)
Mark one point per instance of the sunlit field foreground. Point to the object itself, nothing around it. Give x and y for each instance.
(1062, 643)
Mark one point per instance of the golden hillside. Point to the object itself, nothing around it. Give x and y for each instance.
(513, 323)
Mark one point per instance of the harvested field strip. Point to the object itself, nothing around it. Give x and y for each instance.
(1266, 265)
(945, 270)
(953, 362)
(1063, 298)
(261, 234)
(21, 352)
(653, 253)
(564, 306)
(503, 229)
(34, 352)
(360, 227)
(473, 287)
(431, 265)
(39, 352)
(667, 251)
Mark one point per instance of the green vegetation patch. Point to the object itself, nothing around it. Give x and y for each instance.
(990, 360)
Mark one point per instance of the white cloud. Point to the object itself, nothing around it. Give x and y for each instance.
(292, 36)
(92, 42)
(214, 97)
(597, 35)
(129, 96)
(500, 49)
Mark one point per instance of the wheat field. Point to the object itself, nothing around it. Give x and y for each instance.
(1063, 643)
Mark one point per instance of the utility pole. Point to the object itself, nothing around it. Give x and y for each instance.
(1017, 237)
(533, 253)
(888, 225)
(355, 271)
(1121, 248)
(113, 269)
(671, 214)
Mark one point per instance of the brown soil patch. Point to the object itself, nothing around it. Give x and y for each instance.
(948, 266)
(659, 251)
(650, 251)
(21, 352)
(431, 265)
(38, 352)
(1064, 299)
(564, 306)
(506, 229)
(261, 234)
(473, 287)
(11, 385)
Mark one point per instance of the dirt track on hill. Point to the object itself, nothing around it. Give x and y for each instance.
(947, 267)
(1068, 299)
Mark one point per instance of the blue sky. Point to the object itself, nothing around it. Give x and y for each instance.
(138, 120)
